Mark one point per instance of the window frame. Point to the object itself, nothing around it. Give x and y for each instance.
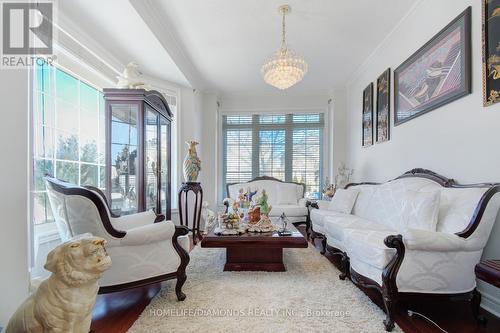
(325, 138)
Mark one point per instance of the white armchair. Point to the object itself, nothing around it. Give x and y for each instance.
(144, 247)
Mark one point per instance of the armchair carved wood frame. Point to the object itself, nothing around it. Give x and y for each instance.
(99, 200)
(389, 289)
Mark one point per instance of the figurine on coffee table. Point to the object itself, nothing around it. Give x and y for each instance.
(264, 224)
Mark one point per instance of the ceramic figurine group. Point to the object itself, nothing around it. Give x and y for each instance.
(255, 220)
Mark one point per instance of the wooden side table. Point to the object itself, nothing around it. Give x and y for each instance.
(183, 203)
(489, 272)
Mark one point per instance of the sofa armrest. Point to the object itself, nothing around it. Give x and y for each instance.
(303, 202)
(151, 233)
(131, 221)
(425, 240)
(322, 204)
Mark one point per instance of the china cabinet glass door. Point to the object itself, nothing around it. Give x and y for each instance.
(151, 171)
(124, 148)
(164, 166)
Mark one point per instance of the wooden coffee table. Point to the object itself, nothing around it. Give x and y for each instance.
(255, 251)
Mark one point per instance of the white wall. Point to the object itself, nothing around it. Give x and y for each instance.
(209, 148)
(14, 106)
(459, 140)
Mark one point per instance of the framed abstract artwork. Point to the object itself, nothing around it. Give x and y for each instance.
(491, 52)
(438, 73)
(382, 115)
(368, 116)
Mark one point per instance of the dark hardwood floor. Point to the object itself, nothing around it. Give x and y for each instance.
(115, 313)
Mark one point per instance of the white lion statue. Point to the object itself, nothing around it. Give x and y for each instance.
(64, 302)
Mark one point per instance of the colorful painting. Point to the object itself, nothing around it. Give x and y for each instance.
(436, 74)
(491, 51)
(382, 117)
(368, 116)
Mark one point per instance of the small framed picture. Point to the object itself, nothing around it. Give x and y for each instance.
(491, 52)
(383, 111)
(368, 116)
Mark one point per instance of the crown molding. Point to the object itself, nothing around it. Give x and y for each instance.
(369, 60)
(165, 33)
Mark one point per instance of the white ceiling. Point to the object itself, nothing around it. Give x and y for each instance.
(116, 26)
(229, 40)
(220, 45)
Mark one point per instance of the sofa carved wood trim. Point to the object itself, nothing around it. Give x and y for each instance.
(389, 289)
(99, 200)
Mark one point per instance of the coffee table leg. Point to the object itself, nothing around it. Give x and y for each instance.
(254, 259)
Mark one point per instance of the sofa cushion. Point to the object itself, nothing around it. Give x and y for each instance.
(286, 194)
(383, 203)
(457, 207)
(368, 246)
(343, 200)
(289, 210)
(339, 225)
(318, 218)
(420, 210)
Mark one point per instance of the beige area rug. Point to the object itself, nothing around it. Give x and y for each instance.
(308, 297)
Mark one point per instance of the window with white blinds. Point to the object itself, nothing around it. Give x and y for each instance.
(284, 146)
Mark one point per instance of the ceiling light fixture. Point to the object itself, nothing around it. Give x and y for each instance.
(285, 67)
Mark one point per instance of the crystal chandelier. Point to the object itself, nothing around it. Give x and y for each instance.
(285, 67)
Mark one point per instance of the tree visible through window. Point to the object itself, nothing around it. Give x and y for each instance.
(285, 146)
(68, 127)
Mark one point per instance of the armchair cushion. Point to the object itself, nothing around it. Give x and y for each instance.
(131, 221)
(148, 234)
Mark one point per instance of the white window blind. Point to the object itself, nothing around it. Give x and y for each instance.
(284, 146)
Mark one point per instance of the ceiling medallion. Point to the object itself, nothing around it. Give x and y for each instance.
(285, 67)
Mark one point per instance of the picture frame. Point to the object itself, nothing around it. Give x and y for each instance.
(367, 116)
(491, 51)
(383, 109)
(437, 74)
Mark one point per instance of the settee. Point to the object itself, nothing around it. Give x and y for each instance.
(284, 197)
(379, 251)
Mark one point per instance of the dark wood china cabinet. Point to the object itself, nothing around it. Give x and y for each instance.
(138, 149)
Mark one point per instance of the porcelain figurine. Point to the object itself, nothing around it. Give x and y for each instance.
(265, 208)
(254, 215)
(131, 78)
(192, 164)
(64, 301)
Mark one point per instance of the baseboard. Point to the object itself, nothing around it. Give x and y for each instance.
(490, 304)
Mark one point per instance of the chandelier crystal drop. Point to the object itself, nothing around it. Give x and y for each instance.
(285, 67)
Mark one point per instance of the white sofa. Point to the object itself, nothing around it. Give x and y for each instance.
(378, 253)
(284, 197)
(143, 247)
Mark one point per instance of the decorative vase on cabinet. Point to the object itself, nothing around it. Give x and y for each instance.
(138, 150)
(192, 164)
